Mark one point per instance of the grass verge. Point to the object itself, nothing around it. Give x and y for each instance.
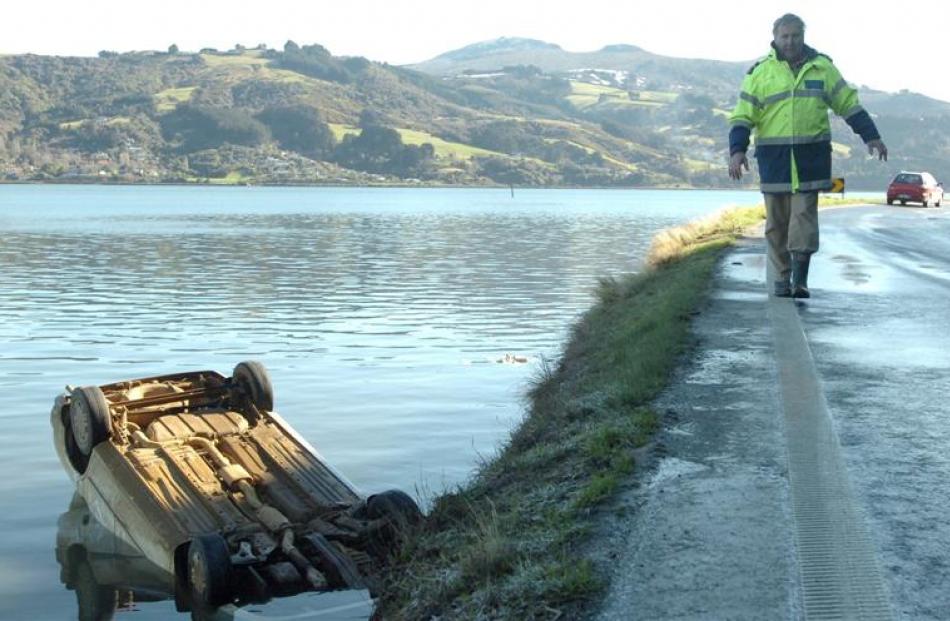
(510, 544)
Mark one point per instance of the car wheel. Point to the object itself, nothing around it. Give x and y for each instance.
(925, 203)
(253, 379)
(79, 461)
(209, 570)
(89, 418)
(401, 514)
(890, 201)
(903, 203)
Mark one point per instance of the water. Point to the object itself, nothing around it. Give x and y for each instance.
(381, 315)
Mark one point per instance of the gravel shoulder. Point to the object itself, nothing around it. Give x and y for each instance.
(706, 533)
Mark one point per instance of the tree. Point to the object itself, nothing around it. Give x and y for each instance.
(172, 49)
(203, 127)
(379, 149)
(299, 128)
(507, 137)
(356, 64)
(92, 137)
(371, 118)
(290, 46)
(509, 171)
(317, 62)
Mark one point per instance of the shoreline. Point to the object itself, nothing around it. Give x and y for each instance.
(511, 543)
(395, 186)
(516, 541)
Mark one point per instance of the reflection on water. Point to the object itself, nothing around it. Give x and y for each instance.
(110, 576)
(381, 315)
(106, 573)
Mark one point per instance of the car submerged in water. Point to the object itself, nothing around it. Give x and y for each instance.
(218, 492)
(110, 576)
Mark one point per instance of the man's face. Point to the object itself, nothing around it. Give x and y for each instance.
(790, 41)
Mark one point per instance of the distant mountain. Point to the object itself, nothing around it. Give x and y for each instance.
(656, 71)
(903, 104)
(504, 45)
(914, 125)
(507, 111)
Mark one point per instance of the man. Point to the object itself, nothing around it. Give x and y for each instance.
(785, 97)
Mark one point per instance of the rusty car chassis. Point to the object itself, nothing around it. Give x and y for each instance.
(198, 471)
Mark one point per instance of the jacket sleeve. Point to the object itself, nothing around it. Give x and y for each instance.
(845, 103)
(744, 117)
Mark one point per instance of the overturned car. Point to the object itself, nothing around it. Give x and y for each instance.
(198, 472)
(109, 577)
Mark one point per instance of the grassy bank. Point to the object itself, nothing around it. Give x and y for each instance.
(510, 544)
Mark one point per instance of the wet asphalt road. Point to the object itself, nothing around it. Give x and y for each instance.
(880, 336)
(710, 532)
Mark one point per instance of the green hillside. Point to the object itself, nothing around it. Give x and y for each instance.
(511, 111)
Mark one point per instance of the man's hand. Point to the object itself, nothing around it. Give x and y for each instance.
(880, 147)
(738, 160)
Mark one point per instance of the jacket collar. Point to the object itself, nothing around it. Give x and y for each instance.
(808, 53)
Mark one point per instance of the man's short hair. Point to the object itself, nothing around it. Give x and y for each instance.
(789, 19)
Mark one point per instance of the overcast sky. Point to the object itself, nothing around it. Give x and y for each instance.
(885, 45)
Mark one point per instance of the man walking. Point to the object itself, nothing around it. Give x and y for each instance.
(785, 97)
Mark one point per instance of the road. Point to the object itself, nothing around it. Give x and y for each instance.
(804, 466)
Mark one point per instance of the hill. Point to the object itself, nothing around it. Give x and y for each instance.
(625, 66)
(516, 111)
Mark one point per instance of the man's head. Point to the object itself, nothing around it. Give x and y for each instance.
(788, 34)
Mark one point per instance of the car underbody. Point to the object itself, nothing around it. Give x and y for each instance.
(197, 471)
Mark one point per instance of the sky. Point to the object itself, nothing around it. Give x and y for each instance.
(885, 45)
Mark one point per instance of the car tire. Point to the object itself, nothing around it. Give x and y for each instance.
(395, 505)
(251, 377)
(78, 461)
(925, 203)
(209, 571)
(903, 203)
(89, 419)
(401, 514)
(890, 201)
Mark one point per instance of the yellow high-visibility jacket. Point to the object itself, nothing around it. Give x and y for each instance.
(789, 114)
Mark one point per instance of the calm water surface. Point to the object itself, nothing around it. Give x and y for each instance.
(381, 315)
